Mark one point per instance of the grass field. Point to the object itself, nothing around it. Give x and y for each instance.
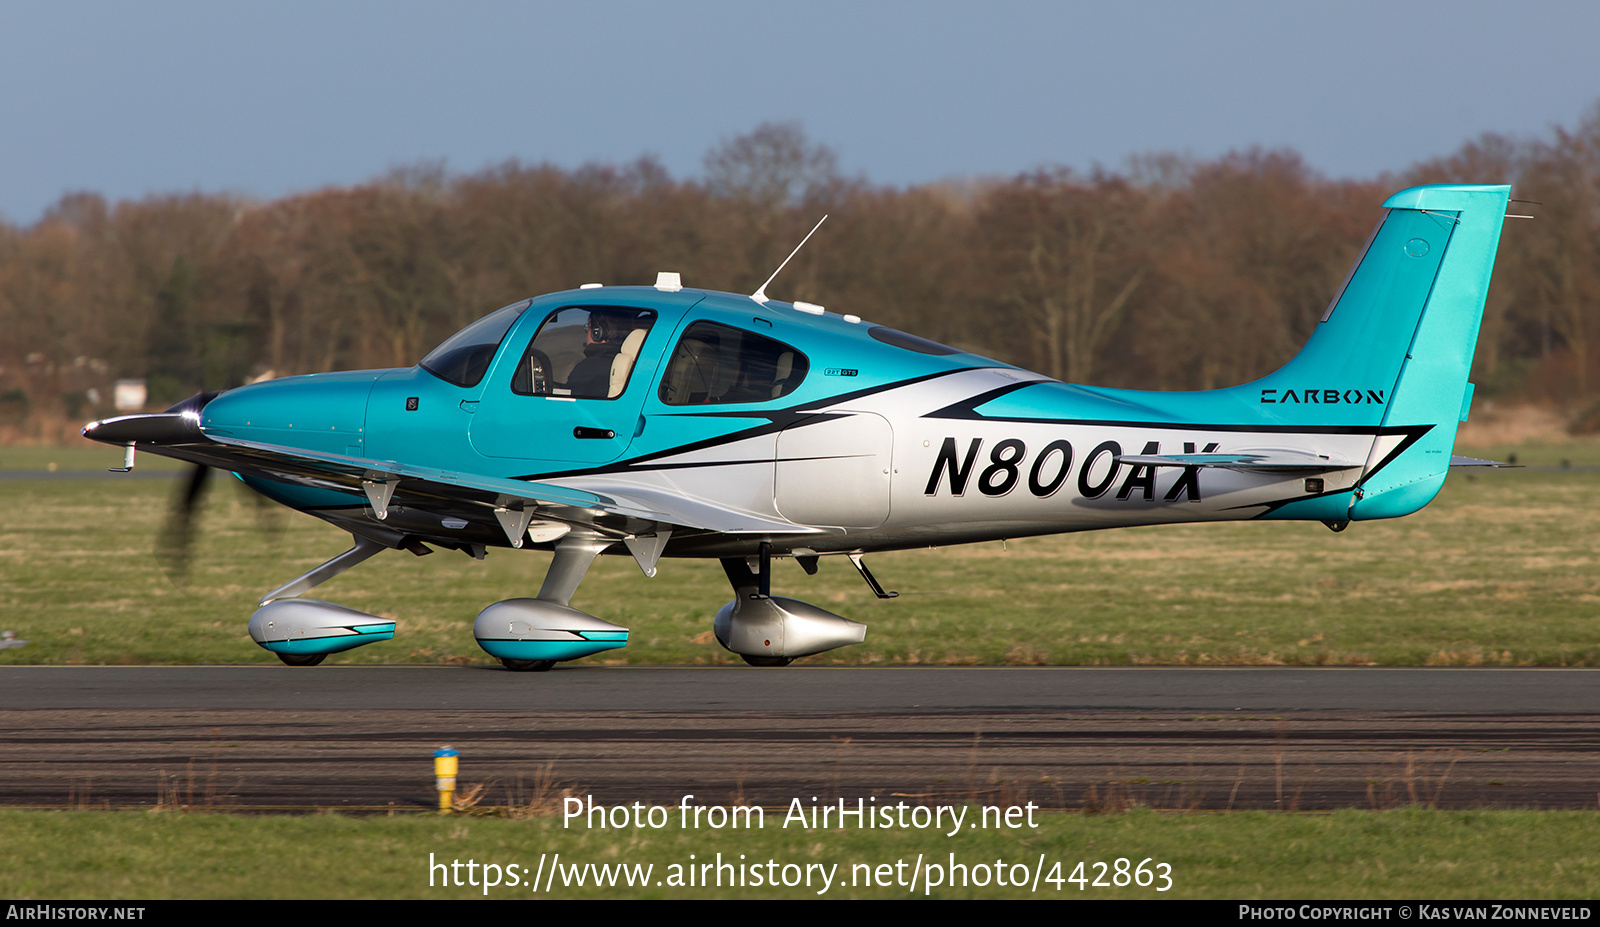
(1499, 570)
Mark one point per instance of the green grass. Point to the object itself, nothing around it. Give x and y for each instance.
(1499, 570)
(1406, 854)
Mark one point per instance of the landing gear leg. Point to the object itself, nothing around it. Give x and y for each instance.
(746, 583)
(364, 549)
(574, 555)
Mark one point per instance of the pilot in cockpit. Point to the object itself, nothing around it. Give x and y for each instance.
(611, 343)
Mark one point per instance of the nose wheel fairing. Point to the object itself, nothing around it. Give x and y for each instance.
(302, 631)
(311, 626)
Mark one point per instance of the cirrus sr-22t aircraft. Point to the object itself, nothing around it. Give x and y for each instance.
(666, 421)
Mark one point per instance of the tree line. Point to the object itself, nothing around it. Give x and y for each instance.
(1171, 273)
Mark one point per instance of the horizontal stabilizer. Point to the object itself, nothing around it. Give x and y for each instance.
(1478, 462)
(1263, 461)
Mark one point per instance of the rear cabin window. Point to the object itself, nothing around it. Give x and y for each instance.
(716, 363)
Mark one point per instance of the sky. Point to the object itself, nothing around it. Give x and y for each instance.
(268, 99)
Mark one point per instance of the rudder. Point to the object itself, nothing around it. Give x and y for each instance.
(1432, 391)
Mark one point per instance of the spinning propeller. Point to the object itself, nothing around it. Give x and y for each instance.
(177, 425)
(175, 544)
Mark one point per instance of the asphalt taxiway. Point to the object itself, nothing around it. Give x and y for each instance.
(362, 737)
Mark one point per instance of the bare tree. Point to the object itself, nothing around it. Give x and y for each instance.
(1074, 261)
(773, 166)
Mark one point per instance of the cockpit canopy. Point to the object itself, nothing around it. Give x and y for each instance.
(590, 352)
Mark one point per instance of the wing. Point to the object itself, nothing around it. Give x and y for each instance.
(389, 485)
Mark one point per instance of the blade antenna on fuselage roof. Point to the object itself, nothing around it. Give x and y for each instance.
(760, 295)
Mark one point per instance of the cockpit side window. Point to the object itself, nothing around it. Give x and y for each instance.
(716, 363)
(464, 357)
(583, 352)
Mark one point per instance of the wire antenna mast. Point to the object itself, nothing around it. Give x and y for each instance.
(760, 295)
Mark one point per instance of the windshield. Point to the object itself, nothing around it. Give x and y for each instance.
(464, 357)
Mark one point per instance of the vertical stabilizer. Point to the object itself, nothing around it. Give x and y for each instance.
(1394, 348)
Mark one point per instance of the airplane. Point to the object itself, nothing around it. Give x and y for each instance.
(671, 422)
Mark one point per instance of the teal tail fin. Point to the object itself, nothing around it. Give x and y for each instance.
(1394, 349)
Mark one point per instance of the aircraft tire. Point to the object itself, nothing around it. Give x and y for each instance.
(302, 659)
(767, 661)
(527, 666)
